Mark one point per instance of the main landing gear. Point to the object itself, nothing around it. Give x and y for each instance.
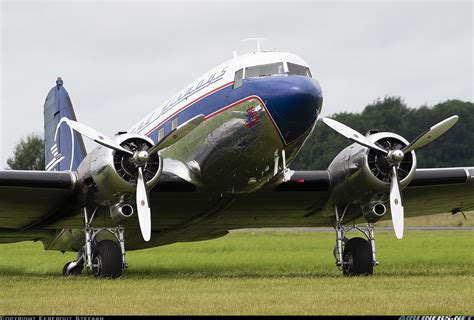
(104, 259)
(356, 256)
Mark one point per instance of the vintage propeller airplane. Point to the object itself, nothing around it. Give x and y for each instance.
(215, 158)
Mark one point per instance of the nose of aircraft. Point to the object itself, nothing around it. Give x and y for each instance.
(294, 105)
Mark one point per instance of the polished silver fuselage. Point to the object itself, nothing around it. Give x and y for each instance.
(242, 146)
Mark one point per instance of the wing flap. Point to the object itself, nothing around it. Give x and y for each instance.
(28, 197)
(434, 191)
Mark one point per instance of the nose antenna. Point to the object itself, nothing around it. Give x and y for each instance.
(255, 39)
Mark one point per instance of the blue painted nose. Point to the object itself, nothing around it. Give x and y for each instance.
(294, 104)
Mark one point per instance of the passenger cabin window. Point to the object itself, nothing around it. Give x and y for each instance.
(174, 123)
(238, 78)
(298, 70)
(161, 134)
(264, 70)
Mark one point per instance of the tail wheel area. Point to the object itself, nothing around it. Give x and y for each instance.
(107, 259)
(357, 258)
(76, 271)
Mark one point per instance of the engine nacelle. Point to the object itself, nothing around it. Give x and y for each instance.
(109, 177)
(361, 176)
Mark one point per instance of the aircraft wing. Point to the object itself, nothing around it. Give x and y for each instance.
(442, 190)
(31, 201)
(300, 202)
(27, 198)
(432, 190)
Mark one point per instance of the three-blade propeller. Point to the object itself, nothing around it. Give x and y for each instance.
(139, 158)
(394, 157)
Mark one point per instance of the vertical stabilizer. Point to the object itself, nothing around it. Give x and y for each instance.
(64, 149)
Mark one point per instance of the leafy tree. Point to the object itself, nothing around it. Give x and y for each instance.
(28, 154)
(455, 148)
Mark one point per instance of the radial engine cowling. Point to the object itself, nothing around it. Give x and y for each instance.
(361, 176)
(109, 177)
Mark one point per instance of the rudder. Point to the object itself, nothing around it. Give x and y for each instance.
(65, 149)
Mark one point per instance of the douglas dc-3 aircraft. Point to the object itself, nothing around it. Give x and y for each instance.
(215, 158)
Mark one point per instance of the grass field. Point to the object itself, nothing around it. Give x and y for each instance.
(251, 273)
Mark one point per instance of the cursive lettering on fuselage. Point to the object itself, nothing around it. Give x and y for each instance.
(180, 97)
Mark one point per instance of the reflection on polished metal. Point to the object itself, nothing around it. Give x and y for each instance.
(116, 174)
(390, 164)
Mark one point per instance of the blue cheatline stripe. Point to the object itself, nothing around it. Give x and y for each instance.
(268, 89)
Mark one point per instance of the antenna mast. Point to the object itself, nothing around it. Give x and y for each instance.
(255, 39)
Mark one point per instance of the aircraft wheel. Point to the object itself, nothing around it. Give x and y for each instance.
(357, 258)
(77, 270)
(107, 259)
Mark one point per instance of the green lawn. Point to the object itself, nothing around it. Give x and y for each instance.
(251, 273)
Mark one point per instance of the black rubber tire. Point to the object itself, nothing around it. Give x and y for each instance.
(76, 271)
(108, 257)
(358, 255)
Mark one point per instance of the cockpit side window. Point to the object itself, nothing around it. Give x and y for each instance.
(298, 70)
(239, 74)
(264, 70)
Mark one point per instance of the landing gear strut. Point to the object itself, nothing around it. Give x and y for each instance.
(104, 259)
(354, 256)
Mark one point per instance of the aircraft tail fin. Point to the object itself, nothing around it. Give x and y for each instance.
(64, 149)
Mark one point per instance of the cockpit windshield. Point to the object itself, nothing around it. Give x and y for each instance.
(264, 70)
(298, 70)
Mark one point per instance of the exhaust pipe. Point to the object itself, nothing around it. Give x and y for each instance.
(375, 212)
(121, 212)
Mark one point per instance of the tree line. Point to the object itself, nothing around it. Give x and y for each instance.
(455, 148)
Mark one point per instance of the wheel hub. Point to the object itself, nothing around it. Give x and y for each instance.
(97, 265)
(348, 262)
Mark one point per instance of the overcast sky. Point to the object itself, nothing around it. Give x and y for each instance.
(120, 60)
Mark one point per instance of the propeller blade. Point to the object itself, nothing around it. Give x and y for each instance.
(144, 213)
(396, 206)
(93, 135)
(352, 134)
(431, 134)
